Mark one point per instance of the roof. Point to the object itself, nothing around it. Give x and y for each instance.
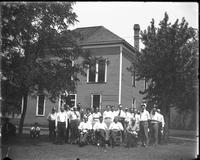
(98, 35)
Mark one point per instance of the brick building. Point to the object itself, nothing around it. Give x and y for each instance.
(106, 83)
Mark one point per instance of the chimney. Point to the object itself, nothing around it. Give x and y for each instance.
(136, 36)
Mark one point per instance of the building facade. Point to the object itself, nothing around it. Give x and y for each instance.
(108, 82)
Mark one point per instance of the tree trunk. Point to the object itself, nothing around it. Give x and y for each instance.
(21, 123)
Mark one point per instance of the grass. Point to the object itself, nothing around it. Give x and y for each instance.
(24, 148)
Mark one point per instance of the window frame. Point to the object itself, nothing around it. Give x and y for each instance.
(97, 73)
(59, 105)
(91, 102)
(40, 115)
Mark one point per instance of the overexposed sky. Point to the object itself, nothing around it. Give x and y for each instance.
(119, 17)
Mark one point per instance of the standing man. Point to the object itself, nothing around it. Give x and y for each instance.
(75, 120)
(61, 125)
(160, 126)
(52, 124)
(144, 127)
(154, 122)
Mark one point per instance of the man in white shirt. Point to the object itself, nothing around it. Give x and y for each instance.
(154, 122)
(116, 130)
(128, 117)
(100, 132)
(85, 128)
(144, 127)
(160, 126)
(61, 125)
(52, 124)
(74, 123)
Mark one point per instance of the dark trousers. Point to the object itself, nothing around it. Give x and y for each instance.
(52, 132)
(144, 132)
(61, 132)
(74, 132)
(115, 137)
(131, 139)
(100, 137)
(159, 133)
(154, 133)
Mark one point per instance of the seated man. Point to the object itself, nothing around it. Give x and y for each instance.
(35, 131)
(132, 133)
(116, 130)
(85, 129)
(100, 132)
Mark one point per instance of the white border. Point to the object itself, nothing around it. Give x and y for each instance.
(37, 107)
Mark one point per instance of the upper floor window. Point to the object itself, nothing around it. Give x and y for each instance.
(40, 108)
(97, 72)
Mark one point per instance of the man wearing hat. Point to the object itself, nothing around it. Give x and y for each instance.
(154, 124)
(144, 126)
(52, 122)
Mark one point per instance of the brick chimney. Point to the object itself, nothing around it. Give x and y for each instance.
(136, 36)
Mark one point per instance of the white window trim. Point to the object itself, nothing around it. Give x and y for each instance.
(37, 107)
(22, 104)
(59, 102)
(99, 102)
(97, 72)
(134, 105)
(72, 78)
(120, 75)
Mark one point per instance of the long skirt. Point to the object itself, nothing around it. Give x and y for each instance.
(74, 132)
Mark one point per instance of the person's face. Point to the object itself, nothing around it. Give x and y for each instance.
(115, 120)
(107, 108)
(62, 109)
(112, 108)
(101, 119)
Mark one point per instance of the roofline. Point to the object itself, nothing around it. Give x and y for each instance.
(109, 43)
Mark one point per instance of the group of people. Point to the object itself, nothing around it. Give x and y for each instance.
(112, 127)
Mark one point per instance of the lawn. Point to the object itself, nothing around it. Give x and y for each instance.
(27, 149)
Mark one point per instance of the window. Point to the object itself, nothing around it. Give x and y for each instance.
(97, 72)
(96, 101)
(133, 80)
(68, 99)
(40, 109)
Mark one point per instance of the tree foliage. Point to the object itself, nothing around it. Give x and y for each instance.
(169, 63)
(38, 49)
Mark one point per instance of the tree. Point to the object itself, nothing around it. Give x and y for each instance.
(169, 63)
(38, 50)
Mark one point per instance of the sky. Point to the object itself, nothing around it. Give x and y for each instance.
(120, 17)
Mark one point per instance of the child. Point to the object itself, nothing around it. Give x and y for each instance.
(35, 131)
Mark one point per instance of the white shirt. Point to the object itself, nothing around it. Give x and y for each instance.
(85, 126)
(128, 116)
(107, 114)
(161, 119)
(144, 116)
(99, 125)
(62, 117)
(122, 113)
(90, 117)
(154, 117)
(136, 116)
(52, 117)
(75, 115)
(116, 126)
(96, 117)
